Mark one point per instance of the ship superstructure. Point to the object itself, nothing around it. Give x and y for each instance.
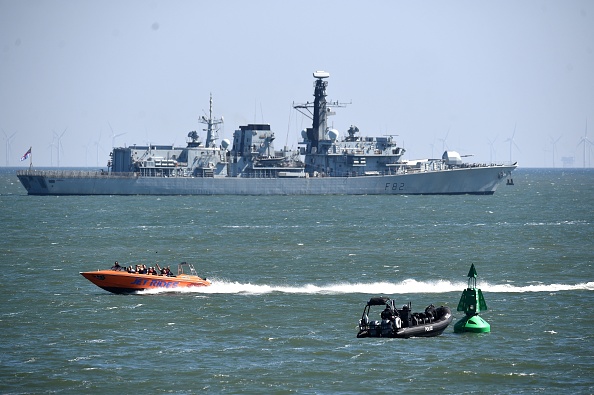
(328, 155)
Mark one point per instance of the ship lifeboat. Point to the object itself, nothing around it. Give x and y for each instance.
(119, 281)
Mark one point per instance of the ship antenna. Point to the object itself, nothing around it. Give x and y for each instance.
(289, 124)
(211, 133)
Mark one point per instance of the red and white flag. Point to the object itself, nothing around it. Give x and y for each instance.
(27, 154)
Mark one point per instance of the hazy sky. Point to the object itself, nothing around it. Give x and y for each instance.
(467, 72)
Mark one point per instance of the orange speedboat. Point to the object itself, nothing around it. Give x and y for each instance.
(120, 281)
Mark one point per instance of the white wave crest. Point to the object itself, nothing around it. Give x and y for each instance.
(409, 286)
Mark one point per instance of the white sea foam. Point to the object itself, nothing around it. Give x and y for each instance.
(409, 286)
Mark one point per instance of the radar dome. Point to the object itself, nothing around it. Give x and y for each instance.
(333, 134)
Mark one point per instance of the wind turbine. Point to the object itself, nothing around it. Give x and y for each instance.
(86, 155)
(148, 140)
(554, 142)
(8, 146)
(444, 141)
(491, 149)
(97, 146)
(545, 151)
(512, 143)
(51, 146)
(59, 144)
(113, 135)
(585, 141)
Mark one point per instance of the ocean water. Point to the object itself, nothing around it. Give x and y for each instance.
(291, 276)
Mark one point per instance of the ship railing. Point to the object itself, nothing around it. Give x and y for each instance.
(392, 169)
(75, 174)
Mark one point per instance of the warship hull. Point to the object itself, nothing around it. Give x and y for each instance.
(471, 180)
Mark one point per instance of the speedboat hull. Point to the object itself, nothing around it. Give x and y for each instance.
(427, 329)
(119, 282)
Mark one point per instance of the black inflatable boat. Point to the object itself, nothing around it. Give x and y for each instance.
(403, 322)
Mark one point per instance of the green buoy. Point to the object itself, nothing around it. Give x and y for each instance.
(472, 303)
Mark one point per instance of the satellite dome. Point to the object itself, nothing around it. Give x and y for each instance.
(333, 134)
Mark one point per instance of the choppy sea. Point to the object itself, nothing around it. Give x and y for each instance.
(291, 275)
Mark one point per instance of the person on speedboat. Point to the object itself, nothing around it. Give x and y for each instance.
(165, 271)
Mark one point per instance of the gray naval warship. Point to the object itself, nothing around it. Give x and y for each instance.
(324, 163)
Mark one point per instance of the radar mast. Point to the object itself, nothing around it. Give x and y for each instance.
(212, 130)
(321, 110)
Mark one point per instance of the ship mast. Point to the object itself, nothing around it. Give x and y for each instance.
(316, 135)
(320, 119)
(211, 126)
